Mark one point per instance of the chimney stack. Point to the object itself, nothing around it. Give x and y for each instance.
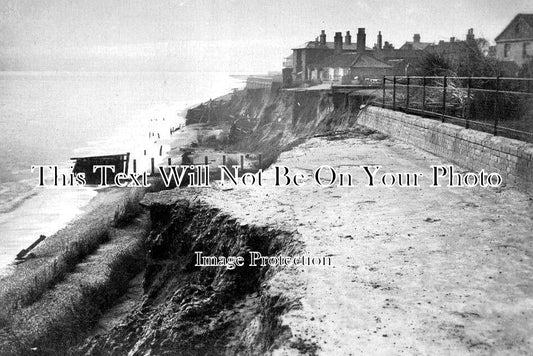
(338, 42)
(416, 38)
(452, 39)
(380, 41)
(361, 40)
(348, 38)
(470, 35)
(323, 38)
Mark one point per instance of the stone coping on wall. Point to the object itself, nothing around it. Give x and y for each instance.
(468, 148)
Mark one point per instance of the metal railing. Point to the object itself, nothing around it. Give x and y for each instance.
(498, 105)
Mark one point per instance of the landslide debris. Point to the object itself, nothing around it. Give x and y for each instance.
(192, 310)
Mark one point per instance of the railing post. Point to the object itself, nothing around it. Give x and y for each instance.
(444, 86)
(384, 84)
(466, 113)
(394, 93)
(127, 163)
(346, 100)
(496, 105)
(407, 96)
(423, 95)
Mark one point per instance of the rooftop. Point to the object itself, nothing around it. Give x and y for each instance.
(352, 60)
(329, 45)
(418, 46)
(506, 33)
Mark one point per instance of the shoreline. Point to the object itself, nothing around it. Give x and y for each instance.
(66, 206)
(27, 282)
(377, 247)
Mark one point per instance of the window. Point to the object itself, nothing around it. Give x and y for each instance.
(525, 49)
(506, 50)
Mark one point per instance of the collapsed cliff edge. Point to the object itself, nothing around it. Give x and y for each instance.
(423, 270)
(271, 120)
(192, 310)
(183, 308)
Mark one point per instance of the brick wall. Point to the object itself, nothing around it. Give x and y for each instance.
(470, 149)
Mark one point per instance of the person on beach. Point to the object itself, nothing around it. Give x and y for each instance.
(186, 159)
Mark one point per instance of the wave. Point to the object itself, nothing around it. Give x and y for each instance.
(13, 194)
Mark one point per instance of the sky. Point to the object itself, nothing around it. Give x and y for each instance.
(215, 35)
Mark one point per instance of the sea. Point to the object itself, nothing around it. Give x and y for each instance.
(47, 118)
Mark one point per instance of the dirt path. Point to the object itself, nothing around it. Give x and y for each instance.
(415, 270)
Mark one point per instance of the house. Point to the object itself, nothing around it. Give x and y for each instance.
(313, 52)
(403, 60)
(456, 51)
(416, 45)
(350, 68)
(515, 43)
(342, 60)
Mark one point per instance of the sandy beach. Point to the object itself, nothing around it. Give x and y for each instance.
(48, 209)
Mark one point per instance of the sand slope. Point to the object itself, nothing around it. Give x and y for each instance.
(415, 270)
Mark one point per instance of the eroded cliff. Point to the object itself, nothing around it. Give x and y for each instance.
(191, 310)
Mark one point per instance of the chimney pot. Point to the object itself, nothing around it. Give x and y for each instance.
(338, 42)
(470, 35)
(323, 38)
(361, 40)
(348, 38)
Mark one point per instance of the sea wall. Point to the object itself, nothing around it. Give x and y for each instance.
(470, 149)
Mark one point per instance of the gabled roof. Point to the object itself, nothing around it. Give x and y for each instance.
(351, 60)
(418, 46)
(525, 18)
(452, 47)
(367, 61)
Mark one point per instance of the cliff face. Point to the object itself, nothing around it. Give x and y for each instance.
(191, 310)
(269, 119)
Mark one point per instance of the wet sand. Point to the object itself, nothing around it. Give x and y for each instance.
(43, 214)
(46, 210)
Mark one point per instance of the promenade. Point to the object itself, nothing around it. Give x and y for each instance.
(415, 270)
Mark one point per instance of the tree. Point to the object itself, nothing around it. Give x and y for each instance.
(435, 65)
(461, 59)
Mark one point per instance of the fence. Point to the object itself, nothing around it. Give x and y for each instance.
(227, 161)
(502, 106)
